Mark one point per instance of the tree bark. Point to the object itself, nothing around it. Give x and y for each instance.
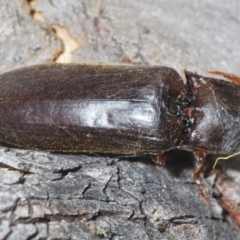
(74, 196)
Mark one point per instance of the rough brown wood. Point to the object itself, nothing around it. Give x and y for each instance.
(62, 196)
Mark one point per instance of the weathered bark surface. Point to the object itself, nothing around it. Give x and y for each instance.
(62, 196)
(66, 196)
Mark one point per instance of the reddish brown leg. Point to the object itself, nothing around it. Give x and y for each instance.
(161, 159)
(233, 78)
(201, 159)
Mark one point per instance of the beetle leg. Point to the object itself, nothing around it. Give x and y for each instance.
(160, 159)
(233, 78)
(201, 159)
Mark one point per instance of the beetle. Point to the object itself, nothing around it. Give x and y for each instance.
(131, 110)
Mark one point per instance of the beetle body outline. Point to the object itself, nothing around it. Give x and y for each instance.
(132, 110)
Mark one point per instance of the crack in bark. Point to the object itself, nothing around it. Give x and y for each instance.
(86, 189)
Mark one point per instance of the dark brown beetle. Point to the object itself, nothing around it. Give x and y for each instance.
(91, 108)
(131, 110)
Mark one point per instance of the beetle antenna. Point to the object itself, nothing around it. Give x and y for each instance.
(225, 158)
(231, 77)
